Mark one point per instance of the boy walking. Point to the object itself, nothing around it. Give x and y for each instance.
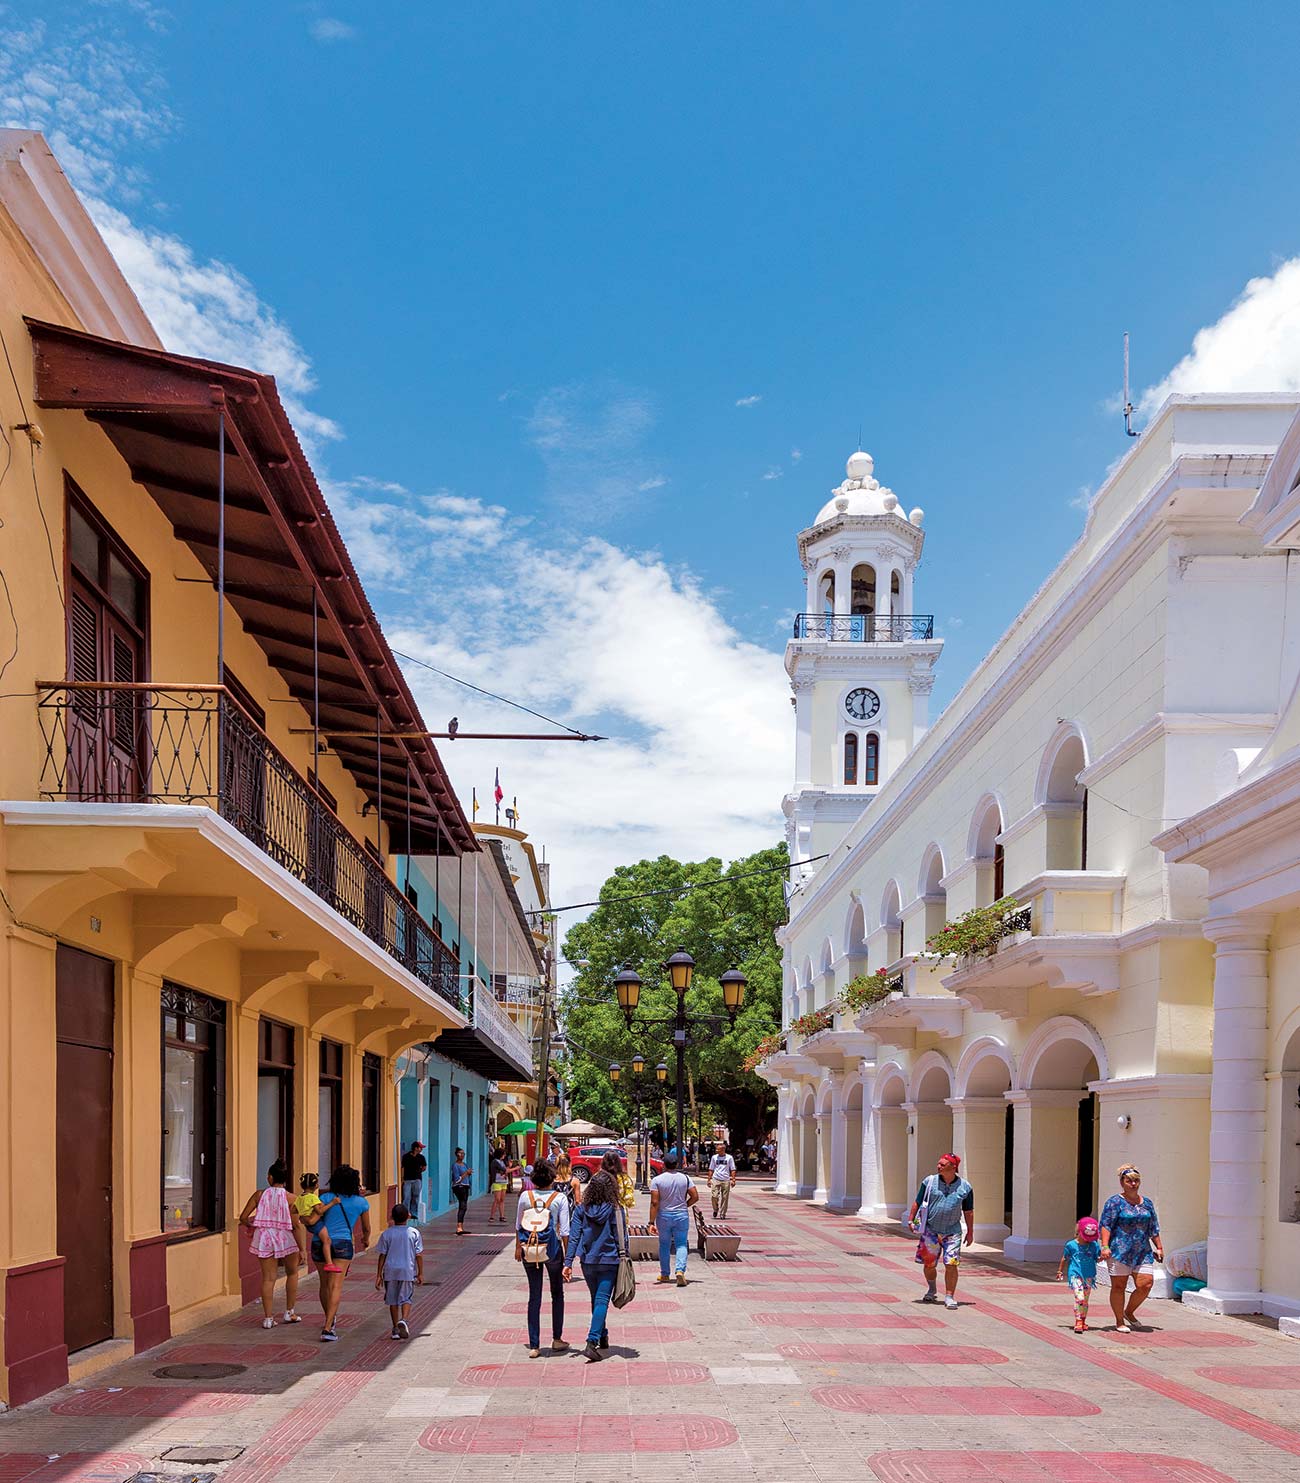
(401, 1267)
(722, 1180)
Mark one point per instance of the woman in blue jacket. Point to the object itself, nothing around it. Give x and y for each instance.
(595, 1244)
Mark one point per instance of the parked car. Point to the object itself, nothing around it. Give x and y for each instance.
(586, 1160)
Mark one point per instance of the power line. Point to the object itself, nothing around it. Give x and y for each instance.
(491, 695)
(722, 880)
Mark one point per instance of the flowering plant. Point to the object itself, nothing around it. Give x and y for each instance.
(815, 1020)
(769, 1045)
(864, 990)
(976, 932)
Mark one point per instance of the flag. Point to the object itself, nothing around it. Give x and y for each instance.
(474, 795)
(498, 794)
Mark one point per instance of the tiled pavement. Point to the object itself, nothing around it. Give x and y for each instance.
(810, 1359)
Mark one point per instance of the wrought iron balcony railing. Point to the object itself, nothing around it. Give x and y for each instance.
(140, 743)
(1016, 922)
(864, 628)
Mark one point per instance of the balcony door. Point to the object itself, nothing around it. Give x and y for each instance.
(107, 604)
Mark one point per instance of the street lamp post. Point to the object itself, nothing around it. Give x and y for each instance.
(637, 1091)
(680, 969)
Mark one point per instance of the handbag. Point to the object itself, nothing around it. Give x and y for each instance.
(625, 1281)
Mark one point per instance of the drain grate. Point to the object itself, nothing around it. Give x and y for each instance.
(199, 1372)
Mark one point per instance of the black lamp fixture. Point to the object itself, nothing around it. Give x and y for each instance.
(734, 984)
(627, 985)
(615, 1071)
(680, 969)
(661, 1072)
(638, 1064)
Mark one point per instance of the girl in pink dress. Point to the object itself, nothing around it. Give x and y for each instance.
(276, 1238)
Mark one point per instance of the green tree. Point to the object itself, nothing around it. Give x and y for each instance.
(646, 912)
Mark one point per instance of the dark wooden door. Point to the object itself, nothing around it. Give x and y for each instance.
(84, 1143)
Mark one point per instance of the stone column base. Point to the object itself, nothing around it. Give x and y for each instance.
(1031, 1249)
(1286, 1310)
(992, 1235)
(788, 1188)
(821, 1196)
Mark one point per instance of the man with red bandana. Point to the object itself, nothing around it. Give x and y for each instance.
(941, 1203)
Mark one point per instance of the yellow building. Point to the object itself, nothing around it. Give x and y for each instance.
(207, 963)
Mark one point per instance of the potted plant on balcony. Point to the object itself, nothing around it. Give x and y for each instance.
(813, 1022)
(976, 933)
(863, 991)
(768, 1046)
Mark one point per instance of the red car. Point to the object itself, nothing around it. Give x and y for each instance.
(586, 1161)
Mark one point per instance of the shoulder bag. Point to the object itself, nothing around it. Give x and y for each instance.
(625, 1281)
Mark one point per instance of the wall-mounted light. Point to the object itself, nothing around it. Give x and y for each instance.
(1124, 1120)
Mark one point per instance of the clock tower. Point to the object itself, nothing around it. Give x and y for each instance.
(860, 660)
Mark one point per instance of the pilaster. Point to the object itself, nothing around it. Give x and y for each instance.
(1046, 1152)
(979, 1132)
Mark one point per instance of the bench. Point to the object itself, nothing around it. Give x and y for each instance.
(642, 1243)
(715, 1241)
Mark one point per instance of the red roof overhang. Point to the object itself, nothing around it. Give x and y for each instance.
(161, 413)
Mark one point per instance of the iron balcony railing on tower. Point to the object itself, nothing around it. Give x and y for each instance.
(864, 628)
(194, 744)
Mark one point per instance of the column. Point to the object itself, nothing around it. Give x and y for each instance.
(979, 1133)
(807, 1156)
(787, 1130)
(884, 592)
(803, 758)
(872, 1206)
(920, 686)
(142, 1250)
(1046, 1154)
(931, 1124)
(242, 1272)
(893, 1152)
(843, 569)
(834, 1128)
(1238, 1114)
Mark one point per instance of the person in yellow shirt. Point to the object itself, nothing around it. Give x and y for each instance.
(615, 1166)
(311, 1210)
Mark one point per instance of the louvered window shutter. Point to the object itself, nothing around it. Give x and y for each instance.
(83, 644)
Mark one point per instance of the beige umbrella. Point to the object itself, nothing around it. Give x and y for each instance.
(581, 1129)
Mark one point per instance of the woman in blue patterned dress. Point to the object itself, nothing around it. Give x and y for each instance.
(1130, 1244)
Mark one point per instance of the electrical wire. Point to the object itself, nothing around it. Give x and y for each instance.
(491, 695)
(722, 880)
(4, 581)
(36, 488)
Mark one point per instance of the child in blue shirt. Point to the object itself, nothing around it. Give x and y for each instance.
(1078, 1267)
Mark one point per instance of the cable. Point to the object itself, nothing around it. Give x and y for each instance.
(456, 680)
(4, 581)
(722, 880)
(36, 488)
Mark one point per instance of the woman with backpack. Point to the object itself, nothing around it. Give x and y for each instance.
(541, 1240)
(596, 1246)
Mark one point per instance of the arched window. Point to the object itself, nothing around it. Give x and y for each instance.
(850, 757)
(862, 596)
(1066, 803)
(999, 872)
(826, 591)
(871, 762)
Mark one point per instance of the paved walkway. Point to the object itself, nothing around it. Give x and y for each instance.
(810, 1359)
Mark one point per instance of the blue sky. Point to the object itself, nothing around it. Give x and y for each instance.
(583, 306)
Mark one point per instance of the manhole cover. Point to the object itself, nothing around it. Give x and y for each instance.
(199, 1372)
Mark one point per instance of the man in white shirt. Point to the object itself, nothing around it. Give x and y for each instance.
(672, 1194)
(722, 1177)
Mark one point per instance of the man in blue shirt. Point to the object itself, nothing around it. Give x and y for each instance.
(943, 1200)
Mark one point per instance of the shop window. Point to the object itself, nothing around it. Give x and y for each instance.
(330, 1104)
(371, 1072)
(193, 1111)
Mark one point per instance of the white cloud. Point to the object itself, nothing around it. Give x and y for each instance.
(1253, 346)
(956, 622)
(591, 437)
(774, 474)
(646, 485)
(795, 455)
(748, 401)
(329, 28)
(1082, 498)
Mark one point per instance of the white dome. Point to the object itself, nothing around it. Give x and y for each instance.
(860, 465)
(861, 493)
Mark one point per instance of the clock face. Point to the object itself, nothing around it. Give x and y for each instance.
(862, 704)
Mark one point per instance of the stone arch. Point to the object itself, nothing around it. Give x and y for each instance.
(1058, 1052)
(931, 1116)
(930, 888)
(930, 1069)
(825, 1096)
(828, 956)
(891, 919)
(1287, 1044)
(855, 932)
(983, 847)
(890, 1130)
(1064, 799)
(977, 1074)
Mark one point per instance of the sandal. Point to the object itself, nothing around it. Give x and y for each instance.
(330, 1267)
(1123, 1328)
(1078, 1327)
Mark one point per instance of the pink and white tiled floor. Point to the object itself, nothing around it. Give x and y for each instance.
(810, 1359)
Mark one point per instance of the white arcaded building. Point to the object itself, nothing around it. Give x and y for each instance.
(1137, 1013)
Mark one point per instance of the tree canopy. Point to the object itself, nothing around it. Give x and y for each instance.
(721, 926)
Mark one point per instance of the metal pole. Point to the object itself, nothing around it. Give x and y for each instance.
(221, 545)
(679, 1041)
(544, 1075)
(315, 685)
(379, 788)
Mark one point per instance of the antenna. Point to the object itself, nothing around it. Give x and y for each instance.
(1128, 405)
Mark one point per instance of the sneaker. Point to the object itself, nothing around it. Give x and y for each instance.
(930, 1297)
(268, 1323)
(394, 1335)
(403, 1328)
(950, 1301)
(328, 1336)
(663, 1279)
(681, 1279)
(604, 1342)
(559, 1346)
(291, 1317)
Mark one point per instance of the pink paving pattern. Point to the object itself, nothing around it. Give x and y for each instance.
(151, 1400)
(741, 1275)
(1039, 1467)
(612, 1372)
(310, 1320)
(643, 1305)
(1254, 1377)
(1177, 1339)
(242, 1354)
(849, 1296)
(634, 1333)
(514, 1436)
(894, 1354)
(72, 1467)
(952, 1400)
(845, 1320)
